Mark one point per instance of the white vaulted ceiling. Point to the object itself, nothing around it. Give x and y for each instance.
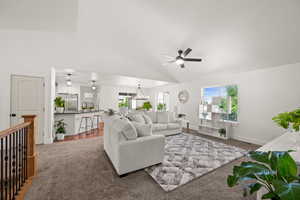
(130, 37)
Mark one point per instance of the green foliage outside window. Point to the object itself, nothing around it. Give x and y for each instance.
(161, 106)
(232, 91)
(124, 103)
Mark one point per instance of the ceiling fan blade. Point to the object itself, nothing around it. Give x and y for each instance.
(193, 59)
(186, 52)
(171, 61)
(182, 66)
(169, 57)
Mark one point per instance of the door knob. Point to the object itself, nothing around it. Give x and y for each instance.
(13, 115)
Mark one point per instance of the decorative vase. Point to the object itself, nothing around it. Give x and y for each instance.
(60, 109)
(60, 136)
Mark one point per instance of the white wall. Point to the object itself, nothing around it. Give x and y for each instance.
(32, 53)
(262, 94)
(109, 96)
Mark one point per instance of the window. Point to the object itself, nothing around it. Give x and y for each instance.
(126, 101)
(163, 101)
(219, 103)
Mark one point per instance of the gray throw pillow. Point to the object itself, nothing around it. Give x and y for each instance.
(143, 129)
(124, 126)
(147, 119)
(138, 118)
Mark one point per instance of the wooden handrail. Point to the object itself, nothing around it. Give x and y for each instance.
(18, 158)
(14, 129)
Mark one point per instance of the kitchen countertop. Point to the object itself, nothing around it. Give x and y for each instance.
(78, 112)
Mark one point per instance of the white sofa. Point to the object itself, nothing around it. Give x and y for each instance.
(163, 123)
(131, 155)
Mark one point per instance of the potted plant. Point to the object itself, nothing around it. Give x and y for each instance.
(60, 126)
(161, 107)
(274, 171)
(147, 105)
(59, 104)
(222, 132)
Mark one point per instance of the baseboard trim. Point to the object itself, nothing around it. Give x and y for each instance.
(249, 140)
(235, 137)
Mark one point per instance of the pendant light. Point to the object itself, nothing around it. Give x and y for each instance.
(94, 85)
(140, 94)
(69, 82)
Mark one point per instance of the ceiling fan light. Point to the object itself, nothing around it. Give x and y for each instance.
(69, 83)
(179, 61)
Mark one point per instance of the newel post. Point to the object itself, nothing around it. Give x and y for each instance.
(31, 151)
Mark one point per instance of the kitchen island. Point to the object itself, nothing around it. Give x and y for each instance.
(73, 119)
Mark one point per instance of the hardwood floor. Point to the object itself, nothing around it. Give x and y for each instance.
(89, 134)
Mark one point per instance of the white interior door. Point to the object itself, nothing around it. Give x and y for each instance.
(27, 98)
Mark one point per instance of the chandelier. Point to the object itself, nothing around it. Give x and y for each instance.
(140, 94)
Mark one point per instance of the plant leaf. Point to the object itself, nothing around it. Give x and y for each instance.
(285, 165)
(269, 195)
(232, 180)
(254, 187)
(287, 191)
(260, 156)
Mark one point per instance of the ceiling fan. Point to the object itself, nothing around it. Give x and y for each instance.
(181, 58)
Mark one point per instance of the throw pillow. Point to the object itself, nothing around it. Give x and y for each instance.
(163, 117)
(126, 128)
(143, 129)
(137, 118)
(147, 119)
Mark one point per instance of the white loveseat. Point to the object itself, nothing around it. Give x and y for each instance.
(134, 154)
(163, 123)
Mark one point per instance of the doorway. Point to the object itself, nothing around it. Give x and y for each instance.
(27, 98)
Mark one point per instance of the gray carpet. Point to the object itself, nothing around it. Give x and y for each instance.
(79, 170)
(188, 157)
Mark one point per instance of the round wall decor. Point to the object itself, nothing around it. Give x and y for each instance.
(183, 96)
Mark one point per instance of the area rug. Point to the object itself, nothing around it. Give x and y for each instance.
(188, 157)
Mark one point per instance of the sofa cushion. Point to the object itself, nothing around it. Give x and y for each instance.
(159, 127)
(162, 117)
(124, 126)
(172, 118)
(152, 115)
(173, 126)
(147, 119)
(143, 129)
(137, 118)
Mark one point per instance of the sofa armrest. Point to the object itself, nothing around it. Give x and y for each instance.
(148, 141)
(140, 153)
